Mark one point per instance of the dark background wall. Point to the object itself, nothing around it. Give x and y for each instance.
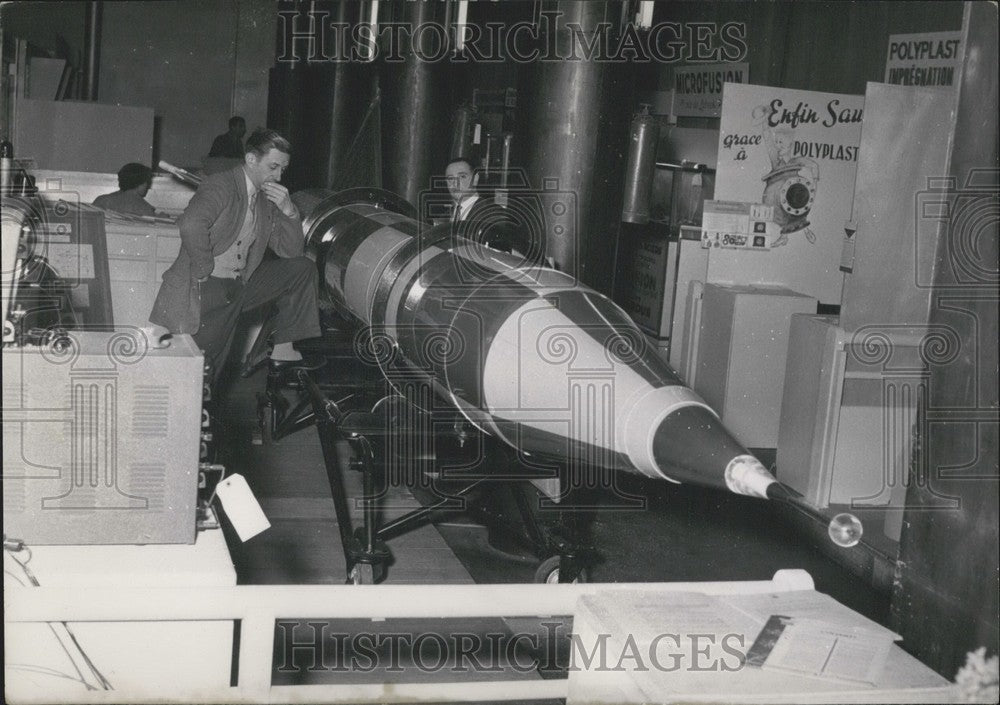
(835, 47)
(195, 63)
(52, 26)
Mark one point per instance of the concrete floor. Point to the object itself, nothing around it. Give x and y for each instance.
(685, 534)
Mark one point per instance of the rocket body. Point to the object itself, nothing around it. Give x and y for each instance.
(526, 353)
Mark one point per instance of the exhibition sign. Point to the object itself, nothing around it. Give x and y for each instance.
(929, 59)
(698, 89)
(796, 151)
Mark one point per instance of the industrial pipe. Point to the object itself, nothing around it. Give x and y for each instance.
(644, 135)
(91, 59)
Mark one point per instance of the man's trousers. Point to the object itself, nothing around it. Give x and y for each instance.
(289, 282)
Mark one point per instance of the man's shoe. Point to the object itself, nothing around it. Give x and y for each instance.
(309, 362)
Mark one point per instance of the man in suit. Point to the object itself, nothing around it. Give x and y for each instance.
(230, 144)
(484, 221)
(134, 181)
(221, 271)
(461, 180)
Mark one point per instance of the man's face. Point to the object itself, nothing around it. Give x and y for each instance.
(460, 180)
(266, 168)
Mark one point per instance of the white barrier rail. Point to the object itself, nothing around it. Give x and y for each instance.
(258, 608)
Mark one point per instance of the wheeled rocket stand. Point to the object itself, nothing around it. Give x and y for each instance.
(276, 417)
(365, 551)
(279, 418)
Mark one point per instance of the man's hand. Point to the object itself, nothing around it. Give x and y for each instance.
(278, 195)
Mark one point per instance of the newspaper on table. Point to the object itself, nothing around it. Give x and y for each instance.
(811, 634)
(657, 636)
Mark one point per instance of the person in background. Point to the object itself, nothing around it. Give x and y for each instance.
(134, 181)
(461, 180)
(221, 270)
(485, 221)
(230, 144)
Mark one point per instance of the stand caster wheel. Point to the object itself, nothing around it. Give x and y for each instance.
(548, 572)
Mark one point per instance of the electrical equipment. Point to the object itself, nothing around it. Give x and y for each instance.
(101, 439)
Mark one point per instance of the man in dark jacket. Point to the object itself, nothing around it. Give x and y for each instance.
(230, 144)
(220, 270)
(485, 221)
(134, 181)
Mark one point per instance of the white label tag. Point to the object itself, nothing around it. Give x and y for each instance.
(242, 507)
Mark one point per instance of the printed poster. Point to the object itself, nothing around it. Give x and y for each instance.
(931, 59)
(796, 151)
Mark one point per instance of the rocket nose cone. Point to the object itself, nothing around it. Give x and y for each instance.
(691, 445)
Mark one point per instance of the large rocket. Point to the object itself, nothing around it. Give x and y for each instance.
(525, 352)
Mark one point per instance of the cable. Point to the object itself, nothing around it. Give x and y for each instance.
(49, 672)
(24, 564)
(222, 476)
(105, 683)
(15, 546)
(204, 469)
(59, 638)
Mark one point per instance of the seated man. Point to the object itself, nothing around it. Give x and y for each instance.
(134, 181)
(221, 270)
(461, 180)
(486, 221)
(230, 144)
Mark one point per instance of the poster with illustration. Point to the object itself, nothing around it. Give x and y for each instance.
(797, 152)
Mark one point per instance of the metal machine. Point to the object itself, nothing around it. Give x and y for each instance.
(101, 430)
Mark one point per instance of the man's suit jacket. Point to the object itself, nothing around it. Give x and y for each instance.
(209, 225)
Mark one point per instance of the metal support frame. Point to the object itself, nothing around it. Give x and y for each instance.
(276, 417)
(366, 554)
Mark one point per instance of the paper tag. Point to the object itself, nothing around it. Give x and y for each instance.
(242, 507)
